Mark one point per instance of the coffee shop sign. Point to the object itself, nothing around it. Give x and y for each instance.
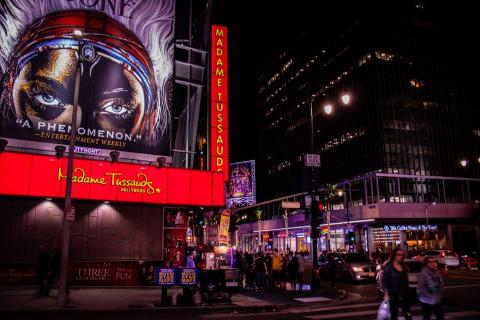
(430, 227)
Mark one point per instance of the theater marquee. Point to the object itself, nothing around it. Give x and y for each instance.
(219, 100)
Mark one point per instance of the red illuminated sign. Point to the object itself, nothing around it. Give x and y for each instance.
(45, 176)
(219, 100)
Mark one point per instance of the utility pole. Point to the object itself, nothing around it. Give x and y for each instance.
(67, 221)
(314, 204)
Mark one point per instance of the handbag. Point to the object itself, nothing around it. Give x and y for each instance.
(384, 311)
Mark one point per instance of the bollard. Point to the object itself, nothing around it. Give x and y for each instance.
(174, 298)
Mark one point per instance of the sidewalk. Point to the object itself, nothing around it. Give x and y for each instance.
(14, 300)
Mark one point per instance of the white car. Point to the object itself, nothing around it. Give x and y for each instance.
(446, 258)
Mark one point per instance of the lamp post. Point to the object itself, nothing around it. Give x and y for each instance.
(427, 234)
(62, 286)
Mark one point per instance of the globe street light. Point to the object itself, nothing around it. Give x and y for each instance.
(328, 108)
(464, 162)
(346, 99)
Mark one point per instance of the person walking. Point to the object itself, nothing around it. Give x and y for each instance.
(277, 262)
(301, 271)
(395, 285)
(260, 272)
(332, 270)
(42, 269)
(244, 271)
(292, 270)
(54, 270)
(430, 285)
(190, 263)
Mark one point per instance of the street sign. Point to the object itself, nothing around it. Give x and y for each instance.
(70, 213)
(290, 204)
(312, 160)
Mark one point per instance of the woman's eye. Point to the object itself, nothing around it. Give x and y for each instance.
(47, 99)
(114, 109)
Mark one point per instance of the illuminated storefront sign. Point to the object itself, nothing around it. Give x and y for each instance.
(45, 176)
(241, 188)
(219, 101)
(187, 276)
(165, 277)
(224, 226)
(431, 227)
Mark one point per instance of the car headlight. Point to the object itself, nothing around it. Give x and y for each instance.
(357, 269)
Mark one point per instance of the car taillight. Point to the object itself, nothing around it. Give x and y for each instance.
(442, 255)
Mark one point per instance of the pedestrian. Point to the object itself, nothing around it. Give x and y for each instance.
(292, 270)
(284, 273)
(395, 285)
(42, 269)
(268, 274)
(277, 262)
(301, 270)
(251, 271)
(54, 270)
(430, 285)
(244, 270)
(260, 272)
(190, 263)
(332, 270)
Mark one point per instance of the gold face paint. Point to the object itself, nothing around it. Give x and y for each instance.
(111, 98)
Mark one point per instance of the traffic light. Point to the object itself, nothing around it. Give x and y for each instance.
(351, 236)
(317, 210)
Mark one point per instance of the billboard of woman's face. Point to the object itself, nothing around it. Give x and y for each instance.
(110, 98)
(123, 103)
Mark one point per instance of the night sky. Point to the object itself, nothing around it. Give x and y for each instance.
(257, 28)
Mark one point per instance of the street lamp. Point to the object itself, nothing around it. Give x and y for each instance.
(328, 108)
(426, 211)
(464, 162)
(346, 99)
(62, 286)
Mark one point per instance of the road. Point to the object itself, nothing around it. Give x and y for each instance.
(461, 295)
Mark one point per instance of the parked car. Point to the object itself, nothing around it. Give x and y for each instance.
(354, 266)
(351, 266)
(445, 258)
(414, 267)
(470, 261)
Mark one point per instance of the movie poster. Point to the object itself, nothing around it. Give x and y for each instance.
(123, 53)
(241, 184)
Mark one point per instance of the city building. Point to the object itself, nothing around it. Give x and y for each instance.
(139, 176)
(393, 107)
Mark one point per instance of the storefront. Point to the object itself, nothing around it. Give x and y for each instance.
(127, 217)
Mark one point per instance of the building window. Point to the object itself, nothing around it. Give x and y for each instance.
(384, 55)
(417, 83)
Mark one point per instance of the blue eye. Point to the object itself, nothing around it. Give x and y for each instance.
(114, 109)
(47, 99)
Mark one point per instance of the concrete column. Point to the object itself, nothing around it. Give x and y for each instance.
(403, 241)
(371, 246)
(449, 237)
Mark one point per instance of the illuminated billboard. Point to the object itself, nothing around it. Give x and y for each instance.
(123, 52)
(241, 190)
(219, 100)
(26, 174)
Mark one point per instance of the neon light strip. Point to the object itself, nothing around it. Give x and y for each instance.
(322, 225)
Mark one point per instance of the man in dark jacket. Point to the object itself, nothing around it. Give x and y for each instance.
(54, 272)
(42, 269)
(332, 270)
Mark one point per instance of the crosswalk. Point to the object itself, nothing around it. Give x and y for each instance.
(368, 311)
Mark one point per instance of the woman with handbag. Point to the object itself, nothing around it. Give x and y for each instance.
(430, 285)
